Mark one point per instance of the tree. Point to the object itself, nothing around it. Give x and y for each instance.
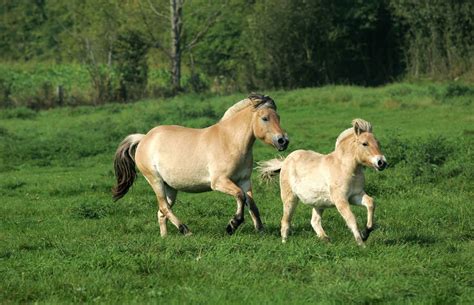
(182, 39)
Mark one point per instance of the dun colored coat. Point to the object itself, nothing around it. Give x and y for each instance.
(218, 158)
(323, 181)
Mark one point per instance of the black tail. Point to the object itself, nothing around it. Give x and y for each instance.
(124, 165)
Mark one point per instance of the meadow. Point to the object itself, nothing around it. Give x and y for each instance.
(63, 240)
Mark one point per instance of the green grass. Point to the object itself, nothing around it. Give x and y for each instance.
(62, 239)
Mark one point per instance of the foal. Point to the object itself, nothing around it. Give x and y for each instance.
(323, 181)
(219, 158)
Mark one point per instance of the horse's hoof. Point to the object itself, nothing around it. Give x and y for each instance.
(325, 239)
(230, 229)
(183, 229)
(366, 233)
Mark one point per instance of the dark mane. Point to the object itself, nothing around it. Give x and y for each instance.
(254, 99)
(261, 100)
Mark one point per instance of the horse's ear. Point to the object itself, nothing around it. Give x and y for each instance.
(361, 126)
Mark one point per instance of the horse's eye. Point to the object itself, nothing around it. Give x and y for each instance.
(365, 144)
(265, 119)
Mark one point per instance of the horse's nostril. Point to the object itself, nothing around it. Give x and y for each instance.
(281, 141)
(380, 163)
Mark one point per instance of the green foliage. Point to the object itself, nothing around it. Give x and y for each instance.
(439, 36)
(130, 56)
(237, 46)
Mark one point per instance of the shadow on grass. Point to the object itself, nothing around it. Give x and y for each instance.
(413, 239)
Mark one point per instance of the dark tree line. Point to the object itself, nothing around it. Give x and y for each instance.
(243, 44)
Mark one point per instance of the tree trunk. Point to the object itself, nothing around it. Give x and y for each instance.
(176, 8)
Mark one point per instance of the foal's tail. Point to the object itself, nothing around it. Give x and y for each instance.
(270, 168)
(124, 165)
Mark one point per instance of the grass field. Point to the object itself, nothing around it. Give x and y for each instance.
(62, 239)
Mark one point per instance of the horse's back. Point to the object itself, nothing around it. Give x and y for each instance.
(178, 155)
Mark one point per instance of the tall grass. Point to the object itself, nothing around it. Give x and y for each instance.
(63, 240)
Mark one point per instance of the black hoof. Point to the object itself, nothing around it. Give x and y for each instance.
(183, 229)
(366, 233)
(230, 229)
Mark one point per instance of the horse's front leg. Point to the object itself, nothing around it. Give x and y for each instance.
(342, 205)
(369, 203)
(253, 209)
(254, 212)
(227, 186)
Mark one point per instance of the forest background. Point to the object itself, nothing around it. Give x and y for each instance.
(55, 53)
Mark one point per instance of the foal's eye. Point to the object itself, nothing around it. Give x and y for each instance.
(265, 119)
(365, 144)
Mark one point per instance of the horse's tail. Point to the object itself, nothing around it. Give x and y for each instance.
(124, 165)
(270, 168)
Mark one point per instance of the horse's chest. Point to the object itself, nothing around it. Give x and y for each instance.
(241, 172)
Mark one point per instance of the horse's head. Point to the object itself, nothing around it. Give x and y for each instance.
(266, 122)
(367, 147)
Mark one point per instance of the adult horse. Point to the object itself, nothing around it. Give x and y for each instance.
(323, 181)
(219, 158)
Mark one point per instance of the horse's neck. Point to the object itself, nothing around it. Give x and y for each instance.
(349, 164)
(238, 131)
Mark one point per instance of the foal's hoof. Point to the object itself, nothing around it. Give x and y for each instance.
(366, 233)
(325, 239)
(183, 229)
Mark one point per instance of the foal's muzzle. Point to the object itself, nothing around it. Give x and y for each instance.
(281, 142)
(380, 163)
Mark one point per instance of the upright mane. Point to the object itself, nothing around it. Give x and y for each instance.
(254, 99)
(358, 125)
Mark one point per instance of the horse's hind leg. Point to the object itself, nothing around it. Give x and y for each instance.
(316, 224)
(164, 207)
(290, 201)
(171, 198)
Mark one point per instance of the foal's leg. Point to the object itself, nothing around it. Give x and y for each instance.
(227, 186)
(369, 203)
(316, 224)
(254, 213)
(290, 201)
(171, 198)
(344, 209)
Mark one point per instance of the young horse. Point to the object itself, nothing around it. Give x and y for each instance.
(218, 158)
(336, 179)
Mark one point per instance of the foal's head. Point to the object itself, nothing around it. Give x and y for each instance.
(266, 122)
(365, 146)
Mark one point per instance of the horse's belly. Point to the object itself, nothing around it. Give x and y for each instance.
(185, 176)
(315, 195)
(317, 199)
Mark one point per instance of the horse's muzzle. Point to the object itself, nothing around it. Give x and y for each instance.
(281, 142)
(381, 165)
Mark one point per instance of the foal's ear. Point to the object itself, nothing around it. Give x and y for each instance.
(361, 126)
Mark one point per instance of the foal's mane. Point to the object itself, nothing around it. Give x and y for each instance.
(357, 124)
(255, 100)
